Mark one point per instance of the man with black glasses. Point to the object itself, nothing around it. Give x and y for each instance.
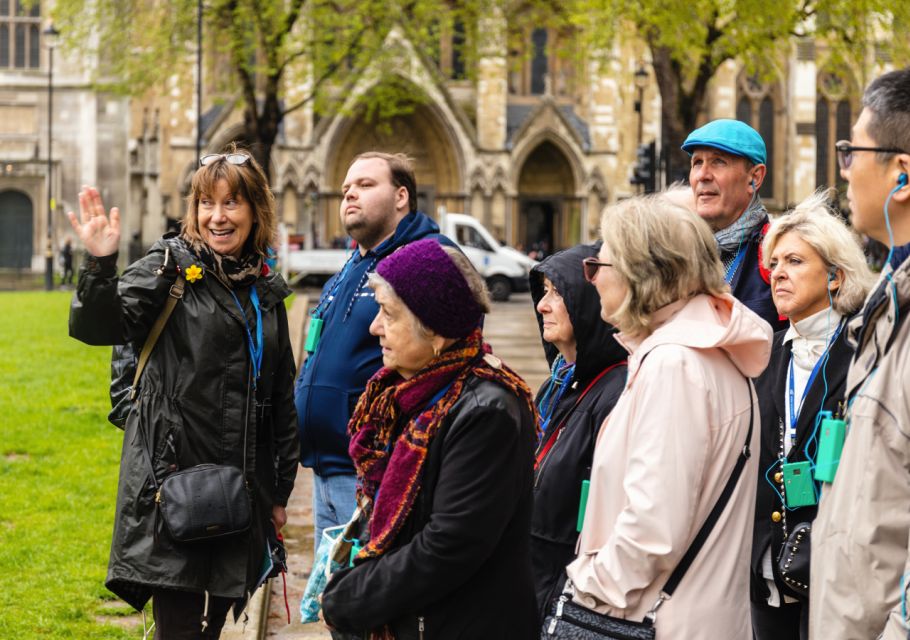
(860, 571)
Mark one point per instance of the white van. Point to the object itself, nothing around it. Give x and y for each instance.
(504, 269)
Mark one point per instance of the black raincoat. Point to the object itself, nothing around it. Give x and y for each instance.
(559, 474)
(194, 401)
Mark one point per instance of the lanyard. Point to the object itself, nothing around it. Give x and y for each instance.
(543, 451)
(255, 346)
(329, 297)
(740, 256)
(791, 393)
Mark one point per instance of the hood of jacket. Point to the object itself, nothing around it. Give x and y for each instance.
(413, 226)
(596, 344)
(708, 322)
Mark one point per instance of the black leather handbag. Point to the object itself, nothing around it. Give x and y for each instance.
(794, 560)
(570, 621)
(205, 501)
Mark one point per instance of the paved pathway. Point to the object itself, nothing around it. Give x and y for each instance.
(511, 329)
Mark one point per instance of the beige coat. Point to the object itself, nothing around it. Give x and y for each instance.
(662, 458)
(860, 537)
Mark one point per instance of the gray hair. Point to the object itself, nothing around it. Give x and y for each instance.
(888, 100)
(664, 252)
(820, 227)
(475, 282)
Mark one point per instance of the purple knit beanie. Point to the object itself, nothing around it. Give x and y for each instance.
(431, 286)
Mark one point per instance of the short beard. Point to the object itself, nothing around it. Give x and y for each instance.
(367, 236)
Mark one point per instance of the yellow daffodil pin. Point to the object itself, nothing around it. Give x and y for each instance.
(193, 273)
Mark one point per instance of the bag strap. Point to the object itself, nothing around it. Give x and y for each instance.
(718, 509)
(174, 295)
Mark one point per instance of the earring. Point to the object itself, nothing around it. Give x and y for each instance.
(436, 351)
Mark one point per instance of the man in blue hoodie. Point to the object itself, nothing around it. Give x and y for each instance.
(379, 211)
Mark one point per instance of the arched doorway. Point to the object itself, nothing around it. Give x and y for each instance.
(548, 212)
(16, 228)
(424, 137)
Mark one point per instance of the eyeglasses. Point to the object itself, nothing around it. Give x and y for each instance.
(845, 152)
(231, 158)
(591, 265)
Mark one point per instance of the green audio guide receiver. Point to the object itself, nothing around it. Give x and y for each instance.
(799, 485)
(830, 445)
(582, 503)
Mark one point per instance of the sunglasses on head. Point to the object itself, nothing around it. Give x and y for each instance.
(845, 152)
(591, 265)
(230, 158)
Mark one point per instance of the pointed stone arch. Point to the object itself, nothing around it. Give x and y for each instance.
(427, 134)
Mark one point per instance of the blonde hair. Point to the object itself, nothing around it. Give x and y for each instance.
(663, 252)
(820, 227)
(247, 180)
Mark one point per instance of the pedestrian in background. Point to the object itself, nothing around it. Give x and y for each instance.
(860, 557)
(66, 261)
(216, 389)
(443, 443)
(728, 166)
(819, 279)
(587, 374)
(379, 211)
(674, 438)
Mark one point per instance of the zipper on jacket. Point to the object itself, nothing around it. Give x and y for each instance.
(543, 463)
(420, 627)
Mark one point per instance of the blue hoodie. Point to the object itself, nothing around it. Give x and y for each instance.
(335, 375)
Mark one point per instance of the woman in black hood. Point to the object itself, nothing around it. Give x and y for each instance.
(587, 376)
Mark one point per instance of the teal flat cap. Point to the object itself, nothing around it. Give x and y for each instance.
(731, 136)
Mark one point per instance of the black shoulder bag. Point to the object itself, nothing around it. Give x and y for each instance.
(207, 500)
(570, 621)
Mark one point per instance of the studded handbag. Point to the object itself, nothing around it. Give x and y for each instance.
(794, 559)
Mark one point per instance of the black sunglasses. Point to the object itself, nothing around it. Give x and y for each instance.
(590, 266)
(845, 152)
(231, 158)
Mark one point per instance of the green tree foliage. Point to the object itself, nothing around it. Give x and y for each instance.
(690, 39)
(318, 48)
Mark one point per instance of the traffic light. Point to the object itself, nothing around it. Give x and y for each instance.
(644, 172)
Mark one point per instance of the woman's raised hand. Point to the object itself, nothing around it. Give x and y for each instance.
(99, 234)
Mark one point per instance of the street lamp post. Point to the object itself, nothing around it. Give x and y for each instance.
(50, 41)
(641, 81)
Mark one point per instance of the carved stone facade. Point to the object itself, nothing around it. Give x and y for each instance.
(533, 146)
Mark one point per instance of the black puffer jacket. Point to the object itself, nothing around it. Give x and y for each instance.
(460, 568)
(193, 402)
(557, 483)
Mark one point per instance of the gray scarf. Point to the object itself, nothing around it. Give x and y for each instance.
(730, 238)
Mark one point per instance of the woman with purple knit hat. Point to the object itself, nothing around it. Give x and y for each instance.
(443, 442)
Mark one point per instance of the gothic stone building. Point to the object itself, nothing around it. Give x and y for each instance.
(532, 146)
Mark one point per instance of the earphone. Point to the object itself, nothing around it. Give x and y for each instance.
(902, 180)
(832, 273)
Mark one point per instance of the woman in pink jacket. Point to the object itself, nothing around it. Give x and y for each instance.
(670, 445)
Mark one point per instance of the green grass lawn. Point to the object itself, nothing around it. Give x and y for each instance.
(58, 477)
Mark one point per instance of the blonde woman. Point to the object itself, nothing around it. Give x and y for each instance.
(819, 280)
(674, 438)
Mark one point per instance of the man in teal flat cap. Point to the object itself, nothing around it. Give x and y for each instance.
(727, 169)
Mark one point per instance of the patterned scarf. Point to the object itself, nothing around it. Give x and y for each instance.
(390, 400)
(233, 272)
(730, 238)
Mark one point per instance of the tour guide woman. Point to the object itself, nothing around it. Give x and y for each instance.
(218, 387)
(443, 443)
(819, 279)
(671, 442)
